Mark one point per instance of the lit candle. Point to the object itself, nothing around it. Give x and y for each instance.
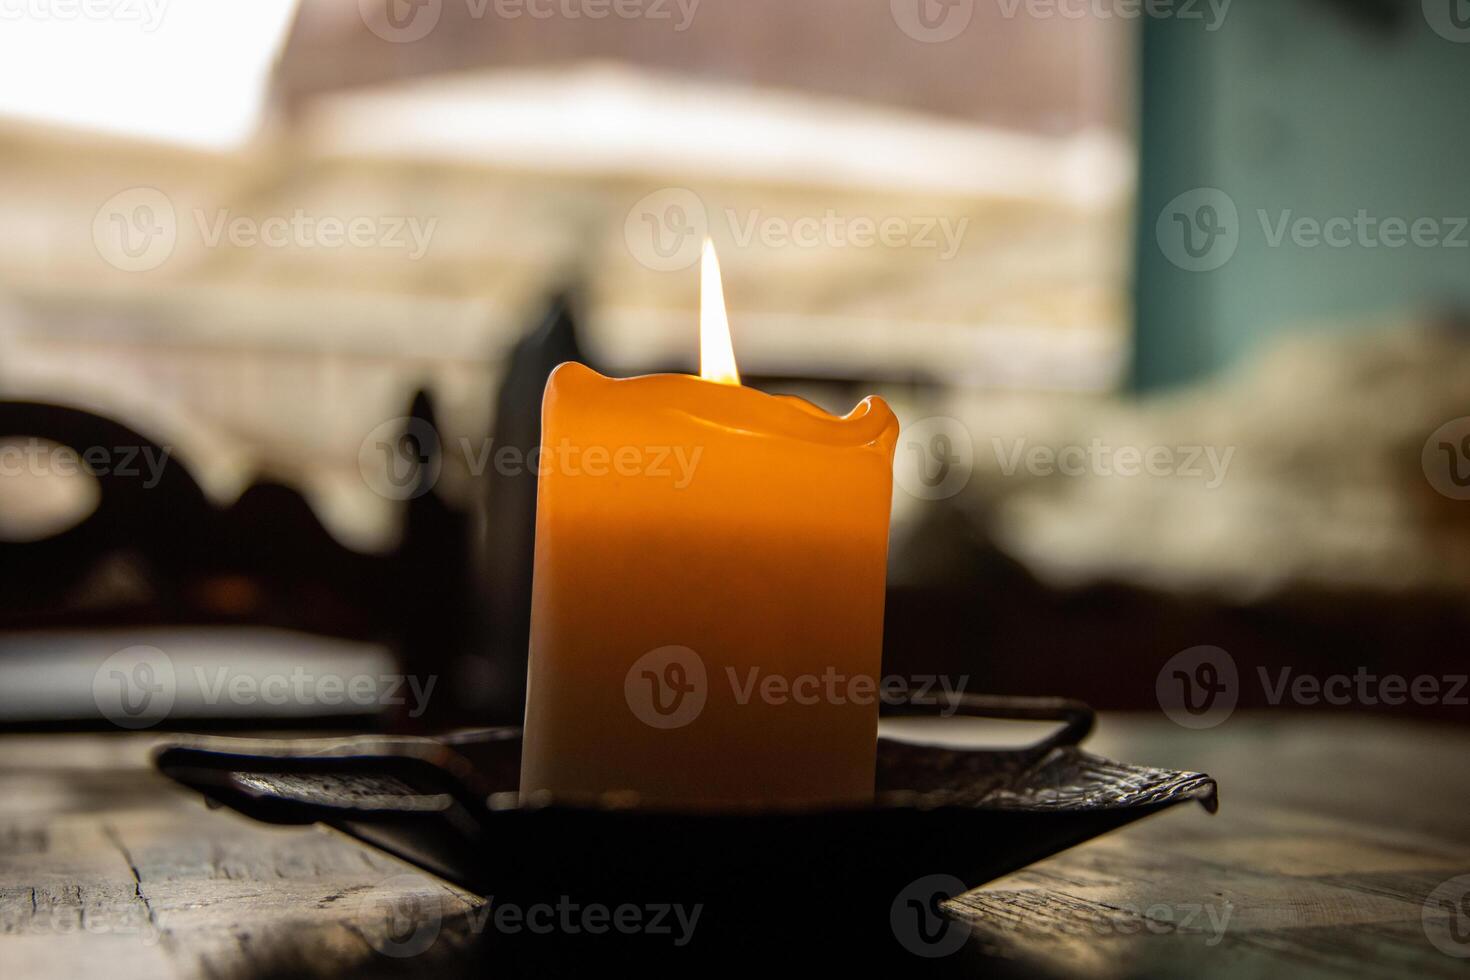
(707, 611)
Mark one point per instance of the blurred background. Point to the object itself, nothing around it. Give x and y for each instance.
(1168, 299)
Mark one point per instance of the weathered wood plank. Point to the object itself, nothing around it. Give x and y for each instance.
(1331, 837)
(110, 868)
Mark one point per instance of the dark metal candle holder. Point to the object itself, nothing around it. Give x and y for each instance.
(450, 806)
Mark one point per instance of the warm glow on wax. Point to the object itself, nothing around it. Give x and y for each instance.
(716, 352)
(667, 596)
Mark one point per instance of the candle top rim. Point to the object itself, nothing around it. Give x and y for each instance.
(738, 407)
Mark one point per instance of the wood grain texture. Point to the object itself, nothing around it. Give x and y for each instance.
(1331, 835)
(106, 869)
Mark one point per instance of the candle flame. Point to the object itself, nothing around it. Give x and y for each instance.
(716, 352)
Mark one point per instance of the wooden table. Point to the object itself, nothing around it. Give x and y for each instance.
(1332, 833)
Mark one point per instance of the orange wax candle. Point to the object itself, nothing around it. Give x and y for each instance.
(707, 608)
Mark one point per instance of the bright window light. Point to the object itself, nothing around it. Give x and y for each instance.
(183, 71)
